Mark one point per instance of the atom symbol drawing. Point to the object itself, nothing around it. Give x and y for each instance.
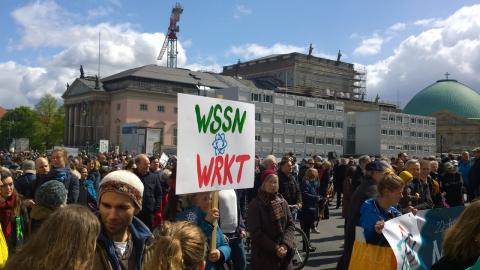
(219, 144)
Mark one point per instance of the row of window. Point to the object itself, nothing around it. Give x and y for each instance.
(307, 140)
(404, 133)
(254, 97)
(406, 147)
(406, 119)
(307, 122)
(144, 108)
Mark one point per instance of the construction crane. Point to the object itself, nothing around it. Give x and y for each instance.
(171, 38)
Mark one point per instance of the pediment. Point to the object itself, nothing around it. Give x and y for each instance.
(77, 88)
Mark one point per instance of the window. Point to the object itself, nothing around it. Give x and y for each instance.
(426, 122)
(426, 135)
(426, 149)
(255, 97)
(258, 117)
(413, 120)
(161, 136)
(391, 147)
(338, 142)
(391, 132)
(339, 109)
(420, 121)
(329, 141)
(301, 103)
(268, 98)
(399, 133)
(399, 119)
(384, 117)
(384, 132)
(300, 122)
(289, 121)
(339, 124)
(391, 118)
(419, 134)
(413, 147)
(331, 107)
(175, 110)
(405, 147)
(321, 106)
(329, 124)
(299, 140)
(413, 134)
(420, 148)
(310, 122)
(143, 107)
(310, 139)
(320, 123)
(118, 106)
(258, 138)
(319, 140)
(432, 135)
(161, 108)
(432, 123)
(174, 137)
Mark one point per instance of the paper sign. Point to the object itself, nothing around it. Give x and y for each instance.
(216, 144)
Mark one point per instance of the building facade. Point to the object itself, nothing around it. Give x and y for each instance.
(286, 123)
(384, 133)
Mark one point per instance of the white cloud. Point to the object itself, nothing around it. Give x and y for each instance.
(425, 22)
(47, 25)
(99, 12)
(241, 10)
(397, 27)
(452, 45)
(253, 50)
(370, 46)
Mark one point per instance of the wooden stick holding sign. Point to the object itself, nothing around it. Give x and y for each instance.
(213, 242)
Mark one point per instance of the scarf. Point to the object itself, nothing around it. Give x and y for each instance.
(59, 174)
(6, 215)
(275, 204)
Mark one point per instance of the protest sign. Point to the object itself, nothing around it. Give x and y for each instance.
(417, 240)
(216, 144)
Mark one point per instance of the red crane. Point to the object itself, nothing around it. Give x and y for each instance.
(171, 37)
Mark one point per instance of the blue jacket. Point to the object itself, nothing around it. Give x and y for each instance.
(370, 213)
(197, 216)
(141, 236)
(69, 180)
(309, 198)
(464, 170)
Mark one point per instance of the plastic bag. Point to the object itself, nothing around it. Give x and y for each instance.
(370, 257)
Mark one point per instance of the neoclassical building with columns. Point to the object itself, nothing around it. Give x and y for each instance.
(144, 97)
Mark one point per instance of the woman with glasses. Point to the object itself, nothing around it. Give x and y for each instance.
(374, 212)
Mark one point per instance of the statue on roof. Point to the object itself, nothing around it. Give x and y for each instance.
(310, 50)
(377, 98)
(82, 74)
(97, 83)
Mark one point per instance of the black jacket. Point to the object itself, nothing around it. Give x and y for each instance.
(447, 264)
(452, 184)
(70, 182)
(357, 178)
(289, 188)
(25, 184)
(366, 190)
(474, 174)
(152, 192)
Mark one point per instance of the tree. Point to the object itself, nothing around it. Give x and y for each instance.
(17, 123)
(50, 121)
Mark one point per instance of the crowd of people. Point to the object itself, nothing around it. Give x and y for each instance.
(118, 211)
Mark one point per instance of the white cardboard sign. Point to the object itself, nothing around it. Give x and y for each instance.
(216, 144)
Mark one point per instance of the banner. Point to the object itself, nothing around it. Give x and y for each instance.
(216, 144)
(103, 146)
(417, 240)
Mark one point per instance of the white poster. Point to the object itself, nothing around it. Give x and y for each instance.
(216, 144)
(404, 237)
(103, 146)
(163, 159)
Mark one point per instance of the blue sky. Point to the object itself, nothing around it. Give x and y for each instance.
(405, 45)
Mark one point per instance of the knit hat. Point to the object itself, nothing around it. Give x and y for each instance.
(266, 173)
(28, 166)
(125, 183)
(51, 194)
(376, 165)
(406, 176)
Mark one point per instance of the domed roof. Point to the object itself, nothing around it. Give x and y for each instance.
(448, 95)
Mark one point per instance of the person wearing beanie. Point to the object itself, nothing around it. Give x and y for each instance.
(123, 238)
(406, 177)
(271, 227)
(24, 183)
(50, 196)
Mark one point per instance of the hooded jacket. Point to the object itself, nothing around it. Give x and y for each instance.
(106, 257)
(70, 181)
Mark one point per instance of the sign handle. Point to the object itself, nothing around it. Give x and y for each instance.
(213, 242)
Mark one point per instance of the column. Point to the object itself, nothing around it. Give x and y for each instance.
(70, 125)
(75, 125)
(65, 125)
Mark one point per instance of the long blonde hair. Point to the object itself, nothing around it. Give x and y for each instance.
(179, 245)
(461, 239)
(66, 240)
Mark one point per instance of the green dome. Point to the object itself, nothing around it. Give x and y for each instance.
(448, 95)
